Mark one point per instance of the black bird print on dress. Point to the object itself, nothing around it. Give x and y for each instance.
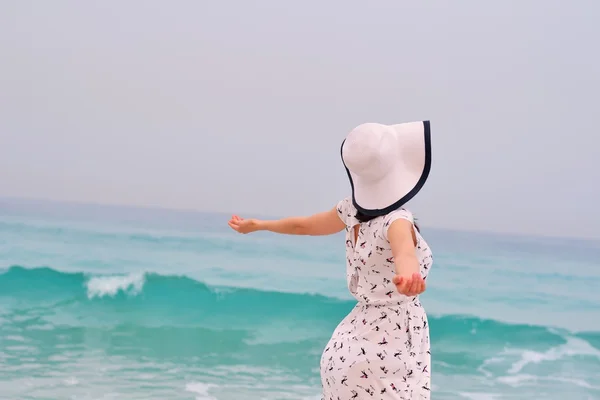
(381, 349)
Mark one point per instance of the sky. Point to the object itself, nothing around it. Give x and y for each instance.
(241, 107)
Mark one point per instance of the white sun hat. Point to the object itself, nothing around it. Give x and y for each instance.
(387, 164)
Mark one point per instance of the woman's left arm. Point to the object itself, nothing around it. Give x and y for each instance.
(324, 223)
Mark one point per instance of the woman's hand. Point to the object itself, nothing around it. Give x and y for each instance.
(411, 285)
(242, 225)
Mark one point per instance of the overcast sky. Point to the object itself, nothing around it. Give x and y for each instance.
(242, 106)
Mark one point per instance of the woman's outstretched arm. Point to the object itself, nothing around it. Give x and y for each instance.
(324, 223)
(408, 278)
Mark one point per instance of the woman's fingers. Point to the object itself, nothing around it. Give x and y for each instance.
(410, 286)
(414, 287)
(419, 285)
(242, 225)
(234, 222)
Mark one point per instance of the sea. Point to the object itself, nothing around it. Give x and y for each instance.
(106, 302)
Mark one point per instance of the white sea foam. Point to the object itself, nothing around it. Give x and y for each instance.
(512, 367)
(200, 390)
(71, 381)
(489, 361)
(573, 347)
(101, 286)
(520, 379)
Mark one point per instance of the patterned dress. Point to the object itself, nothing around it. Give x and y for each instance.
(381, 349)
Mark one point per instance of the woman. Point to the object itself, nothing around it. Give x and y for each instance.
(380, 350)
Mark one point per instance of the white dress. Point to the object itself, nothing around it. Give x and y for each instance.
(381, 349)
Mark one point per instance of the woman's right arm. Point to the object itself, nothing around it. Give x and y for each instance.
(402, 238)
(324, 223)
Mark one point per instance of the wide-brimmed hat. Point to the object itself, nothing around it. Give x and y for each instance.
(387, 164)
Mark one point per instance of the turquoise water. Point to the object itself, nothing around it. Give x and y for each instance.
(123, 303)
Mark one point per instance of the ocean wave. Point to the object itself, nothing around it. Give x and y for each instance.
(179, 299)
(148, 299)
(175, 317)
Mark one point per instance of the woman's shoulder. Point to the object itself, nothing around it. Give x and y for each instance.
(388, 219)
(400, 213)
(346, 210)
(346, 203)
